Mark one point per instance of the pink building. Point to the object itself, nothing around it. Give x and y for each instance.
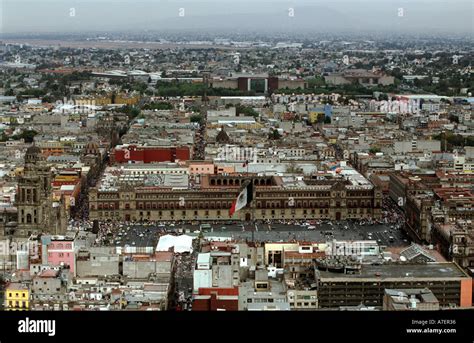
(61, 253)
(225, 169)
(200, 167)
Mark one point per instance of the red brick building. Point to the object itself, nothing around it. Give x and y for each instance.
(144, 154)
(216, 299)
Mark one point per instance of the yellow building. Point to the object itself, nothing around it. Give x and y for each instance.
(313, 116)
(17, 297)
(93, 100)
(51, 148)
(108, 99)
(127, 99)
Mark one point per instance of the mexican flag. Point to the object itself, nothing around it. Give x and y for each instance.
(245, 198)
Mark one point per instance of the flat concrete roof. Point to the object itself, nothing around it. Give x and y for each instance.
(204, 258)
(447, 270)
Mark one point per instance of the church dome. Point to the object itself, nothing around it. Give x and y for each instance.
(91, 148)
(92, 145)
(222, 137)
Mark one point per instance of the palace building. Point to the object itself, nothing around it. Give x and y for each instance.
(163, 197)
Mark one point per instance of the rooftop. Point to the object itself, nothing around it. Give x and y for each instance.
(403, 296)
(17, 286)
(442, 271)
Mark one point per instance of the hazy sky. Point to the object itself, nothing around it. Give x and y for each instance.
(431, 16)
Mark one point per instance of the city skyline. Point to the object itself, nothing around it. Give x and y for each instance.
(191, 162)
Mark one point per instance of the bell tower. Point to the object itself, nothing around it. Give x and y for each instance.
(33, 199)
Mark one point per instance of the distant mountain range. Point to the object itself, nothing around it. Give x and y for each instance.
(453, 16)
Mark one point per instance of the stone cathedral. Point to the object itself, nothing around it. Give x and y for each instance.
(37, 213)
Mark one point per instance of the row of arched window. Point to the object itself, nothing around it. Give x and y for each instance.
(226, 204)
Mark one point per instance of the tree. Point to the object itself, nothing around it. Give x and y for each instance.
(134, 112)
(274, 135)
(162, 105)
(27, 135)
(374, 150)
(246, 111)
(3, 137)
(317, 81)
(383, 96)
(140, 87)
(131, 111)
(33, 92)
(196, 118)
(453, 140)
(48, 98)
(454, 118)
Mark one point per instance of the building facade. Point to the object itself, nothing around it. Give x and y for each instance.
(336, 200)
(37, 212)
(17, 297)
(448, 282)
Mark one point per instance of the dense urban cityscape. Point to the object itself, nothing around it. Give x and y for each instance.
(207, 171)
